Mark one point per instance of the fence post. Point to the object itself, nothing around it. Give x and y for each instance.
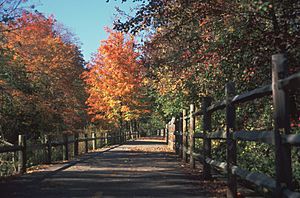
(167, 133)
(66, 157)
(86, 143)
(76, 144)
(184, 133)
(121, 138)
(230, 143)
(124, 135)
(281, 125)
(121, 131)
(176, 133)
(206, 123)
(131, 131)
(113, 138)
(22, 154)
(180, 120)
(110, 137)
(137, 128)
(49, 150)
(192, 132)
(105, 138)
(94, 141)
(101, 140)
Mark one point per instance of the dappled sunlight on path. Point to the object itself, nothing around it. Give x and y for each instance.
(131, 170)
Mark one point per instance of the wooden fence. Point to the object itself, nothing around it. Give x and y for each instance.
(280, 136)
(107, 138)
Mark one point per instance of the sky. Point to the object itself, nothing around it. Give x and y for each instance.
(85, 18)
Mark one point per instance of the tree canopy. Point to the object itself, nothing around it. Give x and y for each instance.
(195, 46)
(115, 80)
(41, 89)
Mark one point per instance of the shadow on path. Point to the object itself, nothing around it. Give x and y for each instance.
(147, 142)
(119, 172)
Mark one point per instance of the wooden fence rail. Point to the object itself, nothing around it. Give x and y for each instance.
(280, 136)
(105, 139)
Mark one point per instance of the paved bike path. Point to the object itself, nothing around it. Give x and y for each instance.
(137, 169)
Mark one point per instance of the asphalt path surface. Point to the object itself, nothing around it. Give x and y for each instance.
(141, 168)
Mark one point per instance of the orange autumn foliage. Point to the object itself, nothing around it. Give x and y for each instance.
(53, 68)
(114, 80)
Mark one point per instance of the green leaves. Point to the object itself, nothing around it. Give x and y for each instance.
(196, 46)
(41, 89)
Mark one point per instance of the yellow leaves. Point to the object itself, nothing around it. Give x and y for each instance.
(125, 109)
(117, 76)
(168, 81)
(231, 29)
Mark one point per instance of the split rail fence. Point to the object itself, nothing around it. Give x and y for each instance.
(105, 139)
(280, 136)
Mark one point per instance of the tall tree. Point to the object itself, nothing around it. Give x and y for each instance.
(114, 79)
(199, 45)
(42, 77)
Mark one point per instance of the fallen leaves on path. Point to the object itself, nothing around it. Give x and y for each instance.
(151, 149)
(215, 187)
(38, 168)
(152, 138)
